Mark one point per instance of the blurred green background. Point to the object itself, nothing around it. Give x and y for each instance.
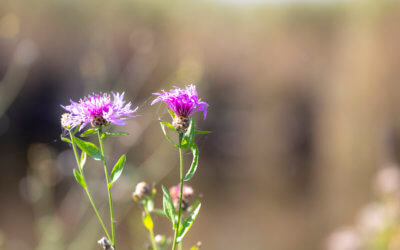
(303, 108)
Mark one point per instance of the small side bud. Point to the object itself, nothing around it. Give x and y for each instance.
(142, 190)
(65, 120)
(180, 123)
(186, 194)
(105, 243)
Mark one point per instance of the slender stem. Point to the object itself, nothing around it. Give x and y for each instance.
(152, 239)
(181, 190)
(87, 189)
(99, 133)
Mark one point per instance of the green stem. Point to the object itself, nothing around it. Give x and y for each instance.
(87, 189)
(181, 190)
(152, 239)
(99, 133)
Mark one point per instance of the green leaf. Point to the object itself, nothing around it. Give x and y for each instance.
(187, 224)
(65, 139)
(171, 113)
(159, 212)
(76, 129)
(169, 125)
(109, 134)
(79, 178)
(117, 170)
(202, 132)
(193, 206)
(168, 205)
(188, 136)
(195, 161)
(148, 222)
(83, 159)
(89, 132)
(166, 136)
(88, 147)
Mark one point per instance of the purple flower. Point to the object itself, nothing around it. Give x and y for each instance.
(98, 109)
(183, 102)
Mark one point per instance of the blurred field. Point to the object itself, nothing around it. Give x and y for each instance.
(303, 108)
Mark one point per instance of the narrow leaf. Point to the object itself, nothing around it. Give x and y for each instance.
(171, 113)
(117, 170)
(83, 159)
(188, 136)
(109, 134)
(168, 205)
(169, 125)
(202, 132)
(193, 206)
(187, 224)
(148, 222)
(159, 212)
(195, 161)
(79, 178)
(65, 139)
(88, 147)
(76, 129)
(166, 136)
(89, 132)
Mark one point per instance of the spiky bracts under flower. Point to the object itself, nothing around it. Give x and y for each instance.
(98, 110)
(183, 102)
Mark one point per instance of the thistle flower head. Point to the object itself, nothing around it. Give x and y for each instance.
(98, 109)
(183, 102)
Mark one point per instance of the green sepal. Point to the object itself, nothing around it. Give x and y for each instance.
(109, 134)
(148, 222)
(79, 178)
(202, 132)
(65, 139)
(83, 160)
(187, 224)
(89, 132)
(165, 134)
(168, 206)
(88, 147)
(195, 163)
(188, 136)
(117, 170)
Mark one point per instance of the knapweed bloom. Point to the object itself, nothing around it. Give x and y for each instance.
(98, 110)
(187, 192)
(184, 103)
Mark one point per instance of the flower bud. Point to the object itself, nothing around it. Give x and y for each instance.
(65, 120)
(187, 192)
(142, 190)
(181, 123)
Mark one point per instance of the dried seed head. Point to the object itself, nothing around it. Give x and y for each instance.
(98, 121)
(105, 243)
(142, 190)
(65, 120)
(181, 123)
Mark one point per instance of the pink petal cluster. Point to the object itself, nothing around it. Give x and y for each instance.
(183, 102)
(114, 111)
